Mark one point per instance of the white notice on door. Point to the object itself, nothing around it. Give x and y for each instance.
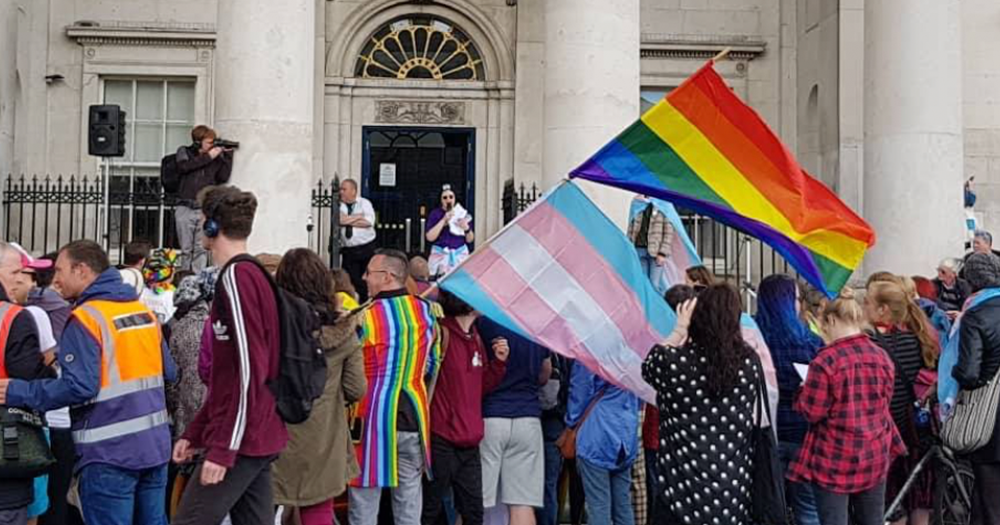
(386, 174)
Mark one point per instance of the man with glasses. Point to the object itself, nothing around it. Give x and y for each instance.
(22, 359)
(400, 335)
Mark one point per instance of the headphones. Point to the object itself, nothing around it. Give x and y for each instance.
(211, 227)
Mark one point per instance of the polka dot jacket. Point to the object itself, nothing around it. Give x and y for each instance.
(705, 456)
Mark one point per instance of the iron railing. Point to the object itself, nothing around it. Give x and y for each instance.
(44, 212)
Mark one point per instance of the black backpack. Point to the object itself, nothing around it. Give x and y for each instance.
(302, 375)
(170, 179)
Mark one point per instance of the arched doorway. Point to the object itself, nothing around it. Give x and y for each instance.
(419, 95)
(404, 167)
(404, 172)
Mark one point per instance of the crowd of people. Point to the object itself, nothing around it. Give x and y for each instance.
(157, 384)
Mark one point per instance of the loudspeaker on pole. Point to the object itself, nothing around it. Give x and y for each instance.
(106, 132)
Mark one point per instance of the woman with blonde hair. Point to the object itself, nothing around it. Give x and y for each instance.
(902, 329)
(845, 398)
(344, 290)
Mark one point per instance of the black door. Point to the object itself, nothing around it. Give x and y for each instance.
(404, 170)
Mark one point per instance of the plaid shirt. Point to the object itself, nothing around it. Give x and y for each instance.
(852, 439)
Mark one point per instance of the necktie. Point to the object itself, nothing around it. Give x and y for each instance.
(349, 230)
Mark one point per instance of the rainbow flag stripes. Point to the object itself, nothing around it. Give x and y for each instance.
(401, 347)
(703, 149)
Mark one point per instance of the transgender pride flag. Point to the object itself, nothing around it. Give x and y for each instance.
(563, 275)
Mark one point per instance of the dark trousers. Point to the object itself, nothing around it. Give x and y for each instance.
(861, 508)
(245, 494)
(985, 500)
(461, 470)
(656, 511)
(576, 495)
(60, 478)
(354, 261)
(549, 513)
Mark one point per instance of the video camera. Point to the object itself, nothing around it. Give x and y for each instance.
(227, 144)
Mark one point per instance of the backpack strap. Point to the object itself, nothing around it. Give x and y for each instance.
(445, 339)
(247, 258)
(591, 406)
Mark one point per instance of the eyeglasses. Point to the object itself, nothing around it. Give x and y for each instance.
(369, 272)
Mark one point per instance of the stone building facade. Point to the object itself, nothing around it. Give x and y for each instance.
(890, 103)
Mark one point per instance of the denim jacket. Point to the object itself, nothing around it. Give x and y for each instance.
(609, 437)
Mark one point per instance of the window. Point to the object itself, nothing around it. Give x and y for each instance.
(649, 97)
(420, 47)
(159, 118)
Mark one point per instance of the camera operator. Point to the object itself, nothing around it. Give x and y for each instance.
(199, 165)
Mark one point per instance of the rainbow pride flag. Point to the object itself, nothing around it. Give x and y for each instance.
(703, 149)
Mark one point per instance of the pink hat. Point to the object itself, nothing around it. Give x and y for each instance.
(29, 262)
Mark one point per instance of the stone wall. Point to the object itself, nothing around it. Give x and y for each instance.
(981, 98)
(51, 115)
(792, 46)
(751, 27)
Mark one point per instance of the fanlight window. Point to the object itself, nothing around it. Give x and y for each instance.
(420, 47)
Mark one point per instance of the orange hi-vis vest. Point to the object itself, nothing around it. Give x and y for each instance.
(131, 404)
(8, 311)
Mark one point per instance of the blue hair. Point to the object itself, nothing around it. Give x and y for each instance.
(779, 323)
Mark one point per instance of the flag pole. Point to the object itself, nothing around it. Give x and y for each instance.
(722, 55)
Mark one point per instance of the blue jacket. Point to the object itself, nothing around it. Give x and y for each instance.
(609, 438)
(80, 361)
(939, 320)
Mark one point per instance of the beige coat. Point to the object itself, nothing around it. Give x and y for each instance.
(319, 460)
(659, 237)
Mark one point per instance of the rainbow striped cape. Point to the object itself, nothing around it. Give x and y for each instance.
(402, 347)
(703, 149)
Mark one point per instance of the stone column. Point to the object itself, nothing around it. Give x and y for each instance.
(913, 133)
(8, 83)
(591, 87)
(264, 98)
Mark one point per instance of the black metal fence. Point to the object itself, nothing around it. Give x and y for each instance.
(324, 221)
(43, 213)
(727, 252)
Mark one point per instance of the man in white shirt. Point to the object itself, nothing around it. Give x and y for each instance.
(357, 235)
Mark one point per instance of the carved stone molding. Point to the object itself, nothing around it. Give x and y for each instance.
(700, 47)
(88, 33)
(419, 112)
